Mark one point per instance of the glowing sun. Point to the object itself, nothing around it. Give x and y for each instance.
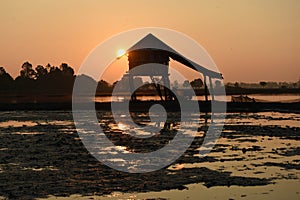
(120, 53)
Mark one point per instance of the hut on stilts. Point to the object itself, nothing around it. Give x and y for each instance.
(150, 49)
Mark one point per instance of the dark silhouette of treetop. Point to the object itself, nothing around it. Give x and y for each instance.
(45, 80)
(6, 80)
(263, 83)
(41, 72)
(197, 83)
(66, 69)
(27, 71)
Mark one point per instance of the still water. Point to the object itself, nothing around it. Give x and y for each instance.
(257, 97)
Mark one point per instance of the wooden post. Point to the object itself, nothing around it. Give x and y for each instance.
(205, 88)
(166, 88)
(157, 86)
(131, 86)
(211, 88)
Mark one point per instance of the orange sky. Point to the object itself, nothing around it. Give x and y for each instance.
(249, 40)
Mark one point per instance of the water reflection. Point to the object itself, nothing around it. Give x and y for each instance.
(258, 97)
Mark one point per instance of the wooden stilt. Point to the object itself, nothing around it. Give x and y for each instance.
(166, 89)
(157, 86)
(212, 94)
(205, 88)
(211, 88)
(131, 86)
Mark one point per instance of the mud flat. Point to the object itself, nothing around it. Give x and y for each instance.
(42, 156)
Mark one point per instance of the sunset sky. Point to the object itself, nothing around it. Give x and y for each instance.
(249, 41)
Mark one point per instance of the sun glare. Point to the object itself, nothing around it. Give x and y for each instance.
(120, 53)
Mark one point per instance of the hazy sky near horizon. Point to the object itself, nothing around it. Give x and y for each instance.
(249, 41)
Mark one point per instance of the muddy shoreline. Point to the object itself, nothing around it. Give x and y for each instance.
(143, 105)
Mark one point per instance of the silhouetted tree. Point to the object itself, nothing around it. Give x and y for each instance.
(236, 84)
(218, 84)
(6, 81)
(103, 86)
(41, 72)
(4, 74)
(186, 83)
(263, 83)
(48, 68)
(49, 79)
(58, 79)
(25, 82)
(66, 69)
(197, 83)
(27, 71)
(175, 84)
(115, 83)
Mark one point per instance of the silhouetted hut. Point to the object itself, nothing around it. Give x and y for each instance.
(152, 50)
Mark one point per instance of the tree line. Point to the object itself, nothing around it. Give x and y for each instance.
(39, 79)
(265, 85)
(53, 80)
(45, 80)
(60, 80)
